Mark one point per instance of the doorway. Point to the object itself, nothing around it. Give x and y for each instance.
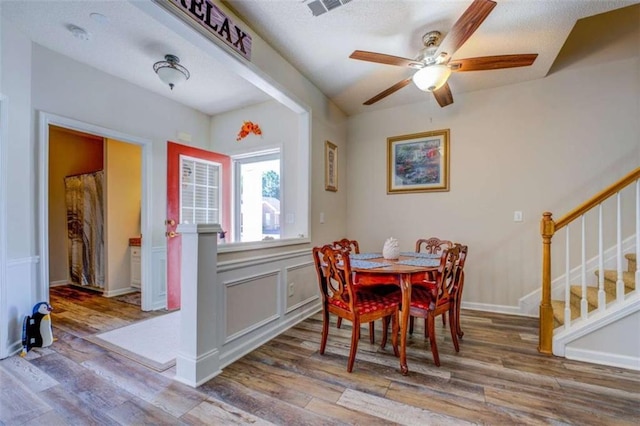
(94, 213)
(118, 281)
(198, 191)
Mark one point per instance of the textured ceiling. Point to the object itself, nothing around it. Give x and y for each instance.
(127, 46)
(131, 40)
(320, 46)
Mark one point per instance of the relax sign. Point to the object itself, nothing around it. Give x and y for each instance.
(208, 16)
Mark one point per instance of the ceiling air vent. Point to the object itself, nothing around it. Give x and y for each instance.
(318, 7)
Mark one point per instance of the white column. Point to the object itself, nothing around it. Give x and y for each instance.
(198, 358)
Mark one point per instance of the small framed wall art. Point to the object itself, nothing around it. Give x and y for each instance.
(330, 167)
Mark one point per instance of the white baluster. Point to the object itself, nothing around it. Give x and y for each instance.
(567, 285)
(619, 281)
(602, 299)
(584, 305)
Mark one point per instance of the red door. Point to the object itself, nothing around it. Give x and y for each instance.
(175, 152)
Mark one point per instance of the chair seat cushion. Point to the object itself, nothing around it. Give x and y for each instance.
(422, 298)
(369, 301)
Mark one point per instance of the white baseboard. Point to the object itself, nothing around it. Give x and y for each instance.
(603, 358)
(501, 309)
(59, 283)
(120, 292)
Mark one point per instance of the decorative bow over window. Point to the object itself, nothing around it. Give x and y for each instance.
(248, 127)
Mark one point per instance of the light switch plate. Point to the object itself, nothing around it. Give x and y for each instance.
(517, 216)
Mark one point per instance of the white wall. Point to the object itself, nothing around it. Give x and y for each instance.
(68, 88)
(542, 145)
(328, 123)
(280, 129)
(612, 345)
(15, 86)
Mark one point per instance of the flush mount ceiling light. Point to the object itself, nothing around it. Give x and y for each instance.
(431, 77)
(170, 71)
(79, 33)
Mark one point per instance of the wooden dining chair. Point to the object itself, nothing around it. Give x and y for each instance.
(459, 285)
(430, 301)
(340, 298)
(432, 245)
(351, 246)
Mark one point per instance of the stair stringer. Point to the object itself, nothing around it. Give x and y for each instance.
(529, 304)
(598, 320)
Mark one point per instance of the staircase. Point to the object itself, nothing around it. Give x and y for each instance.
(610, 278)
(606, 304)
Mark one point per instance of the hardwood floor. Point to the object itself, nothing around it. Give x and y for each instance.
(497, 378)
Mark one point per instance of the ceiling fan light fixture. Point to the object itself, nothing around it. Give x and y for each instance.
(432, 77)
(170, 71)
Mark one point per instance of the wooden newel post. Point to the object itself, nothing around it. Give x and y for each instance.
(547, 229)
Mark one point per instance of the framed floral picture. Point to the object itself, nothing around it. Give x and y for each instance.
(418, 162)
(330, 167)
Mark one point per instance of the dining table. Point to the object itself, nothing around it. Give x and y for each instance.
(372, 269)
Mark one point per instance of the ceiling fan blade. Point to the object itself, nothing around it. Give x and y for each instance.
(389, 91)
(492, 62)
(381, 58)
(465, 26)
(443, 95)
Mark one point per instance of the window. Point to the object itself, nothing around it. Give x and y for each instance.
(257, 200)
(285, 137)
(200, 195)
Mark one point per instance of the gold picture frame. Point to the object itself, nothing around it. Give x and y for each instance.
(330, 167)
(418, 162)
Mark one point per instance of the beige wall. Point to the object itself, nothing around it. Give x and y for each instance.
(124, 197)
(542, 145)
(70, 153)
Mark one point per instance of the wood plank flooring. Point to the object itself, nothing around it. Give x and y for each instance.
(497, 378)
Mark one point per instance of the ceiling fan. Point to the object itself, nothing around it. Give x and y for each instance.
(434, 63)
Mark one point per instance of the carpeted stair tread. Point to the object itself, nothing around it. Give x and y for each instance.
(611, 276)
(558, 312)
(592, 296)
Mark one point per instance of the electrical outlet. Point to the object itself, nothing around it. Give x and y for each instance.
(517, 216)
(291, 289)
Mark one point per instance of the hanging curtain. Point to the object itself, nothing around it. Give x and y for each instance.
(85, 224)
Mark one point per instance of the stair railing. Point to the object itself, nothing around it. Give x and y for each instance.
(548, 227)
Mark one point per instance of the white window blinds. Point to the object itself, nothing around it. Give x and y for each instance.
(200, 195)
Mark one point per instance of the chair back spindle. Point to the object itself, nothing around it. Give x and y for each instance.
(432, 245)
(351, 246)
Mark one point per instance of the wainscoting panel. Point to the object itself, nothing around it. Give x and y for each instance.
(158, 278)
(257, 306)
(302, 286)
(21, 290)
(251, 301)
